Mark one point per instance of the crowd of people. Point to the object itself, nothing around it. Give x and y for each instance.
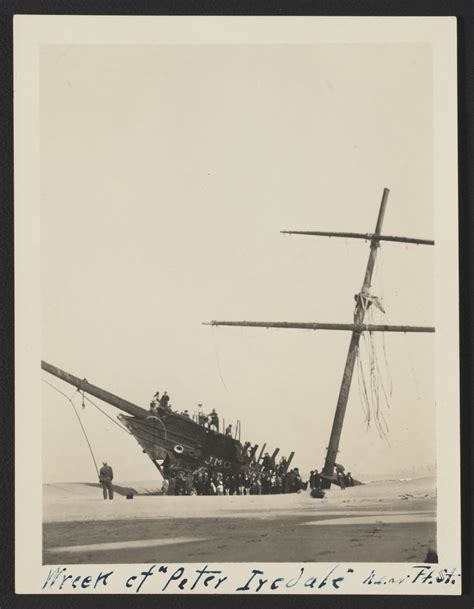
(211, 420)
(343, 479)
(252, 482)
(263, 478)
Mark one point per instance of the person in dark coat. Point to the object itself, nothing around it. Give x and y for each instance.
(106, 475)
(214, 420)
(180, 484)
(164, 401)
(189, 484)
(202, 418)
(298, 481)
(317, 479)
(267, 462)
(341, 479)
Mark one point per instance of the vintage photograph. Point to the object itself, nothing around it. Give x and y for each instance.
(237, 272)
(168, 176)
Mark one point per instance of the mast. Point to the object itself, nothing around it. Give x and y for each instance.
(101, 394)
(359, 314)
(363, 302)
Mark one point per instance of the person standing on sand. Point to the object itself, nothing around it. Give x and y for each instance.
(106, 475)
(341, 479)
(317, 479)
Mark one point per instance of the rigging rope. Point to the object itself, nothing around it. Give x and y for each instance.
(381, 291)
(135, 435)
(120, 426)
(78, 418)
(85, 397)
(364, 398)
(375, 383)
(157, 418)
(107, 415)
(73, 394)
(415, 378)
(217, 362)
(378, 394)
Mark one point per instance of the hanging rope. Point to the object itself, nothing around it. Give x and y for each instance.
(106, 415)
(381, 290)
(364, 398)
(218, 365)
(79, 419)
(119, 425)
(415, 378)
(375, 382)
(157, 418)
(123, 428)
(378, 394)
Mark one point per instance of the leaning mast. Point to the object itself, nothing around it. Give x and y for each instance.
(363, 302)
(359, 313)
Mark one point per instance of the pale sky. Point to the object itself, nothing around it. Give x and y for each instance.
(167, 173)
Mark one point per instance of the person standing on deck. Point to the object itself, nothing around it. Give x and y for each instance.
(164, 401)
(106, 475)
(202, 418)
(214, 420)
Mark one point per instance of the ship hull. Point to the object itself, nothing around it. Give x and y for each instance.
(184, 444)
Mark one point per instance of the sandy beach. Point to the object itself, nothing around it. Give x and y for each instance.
(392, 521)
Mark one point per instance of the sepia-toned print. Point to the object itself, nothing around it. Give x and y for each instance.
(240, 335)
